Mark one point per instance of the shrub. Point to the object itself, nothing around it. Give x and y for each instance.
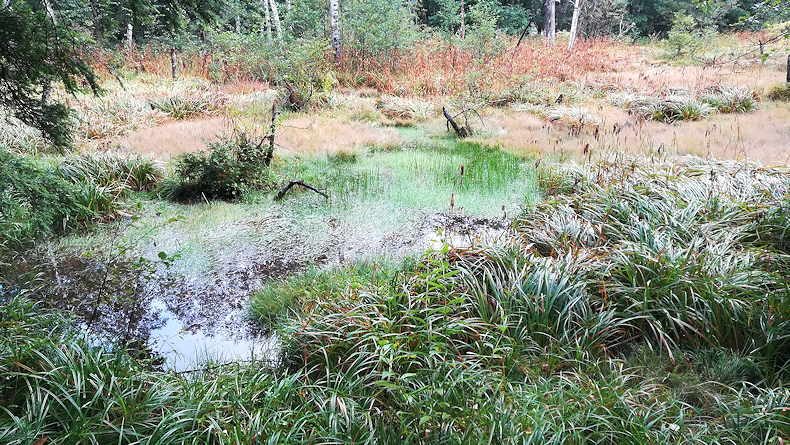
(226, 171)
(780, 92)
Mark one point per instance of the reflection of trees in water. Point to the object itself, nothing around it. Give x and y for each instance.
(134, 302)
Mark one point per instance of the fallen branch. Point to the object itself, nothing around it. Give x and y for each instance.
(460, 131)
(285, 189)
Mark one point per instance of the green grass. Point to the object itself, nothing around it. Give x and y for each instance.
(423, 180)
(639, 303)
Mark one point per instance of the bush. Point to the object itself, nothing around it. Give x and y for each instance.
(230, 168)
(780, 92)
(35, 201)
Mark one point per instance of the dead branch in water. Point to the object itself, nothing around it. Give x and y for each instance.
(285, 189)
(460, 131)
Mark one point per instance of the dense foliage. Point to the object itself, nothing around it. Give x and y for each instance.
(34, 200)
(641, 303)
(226, 171)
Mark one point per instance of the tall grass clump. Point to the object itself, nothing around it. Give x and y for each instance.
(186, 105)
(35, 201)
(727, 99)
(689, 255)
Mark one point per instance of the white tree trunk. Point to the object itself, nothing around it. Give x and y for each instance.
(46, 82)
(50, 12)
(287, 6)
(577, 9)
(334, 13)
(550, 34)
(238, 25)
(268, 20)
(129, 35)
(276, 20)
(463, 20)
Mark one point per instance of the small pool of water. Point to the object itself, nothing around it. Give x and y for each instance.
(180, 323)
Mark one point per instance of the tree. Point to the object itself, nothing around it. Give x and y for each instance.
(33, 50)
(550, 14)
(334, 12)
(577, 9)
(36, 48)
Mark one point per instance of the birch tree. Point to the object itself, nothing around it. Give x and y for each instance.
(276, 20)
(577, 9)
(334, 14)
(267, 19)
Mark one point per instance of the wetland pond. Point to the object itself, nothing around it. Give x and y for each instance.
(182, 321)
(173, 283)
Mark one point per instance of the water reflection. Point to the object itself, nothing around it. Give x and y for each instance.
(159, 313)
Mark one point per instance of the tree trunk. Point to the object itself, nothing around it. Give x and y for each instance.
(173, 63)
(334, 13)
(238, 25)
(788, 68)
(287, 6)
(577, 9)
(463, 20)
(129, 35)
(550, 35)
(46, 82)
(268, 20)
(276, 20)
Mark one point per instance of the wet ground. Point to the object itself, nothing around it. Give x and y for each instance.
(182, 318)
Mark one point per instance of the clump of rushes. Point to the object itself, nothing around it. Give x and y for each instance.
(727, 99)
(669, 109)
(405, 110)
(36, 201)
(187, 105)
(680, 104)
(575, 119)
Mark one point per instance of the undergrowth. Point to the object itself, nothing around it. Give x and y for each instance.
(640, 303)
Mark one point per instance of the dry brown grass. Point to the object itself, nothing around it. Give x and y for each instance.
(172, 138)
(298, 136)
(763, 135)
(647, 76)
(322, 134)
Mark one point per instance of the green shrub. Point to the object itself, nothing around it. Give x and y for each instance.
(230, 168)
(780, 92)
(35, 201)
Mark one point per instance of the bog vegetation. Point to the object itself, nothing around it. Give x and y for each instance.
(603, 259)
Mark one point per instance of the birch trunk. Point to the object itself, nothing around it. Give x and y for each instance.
(129, 35)
(334, 13)
(46, 82)
(463, 21)
(276, 20)
(550, 34)
(577, 9)
(267, 19)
